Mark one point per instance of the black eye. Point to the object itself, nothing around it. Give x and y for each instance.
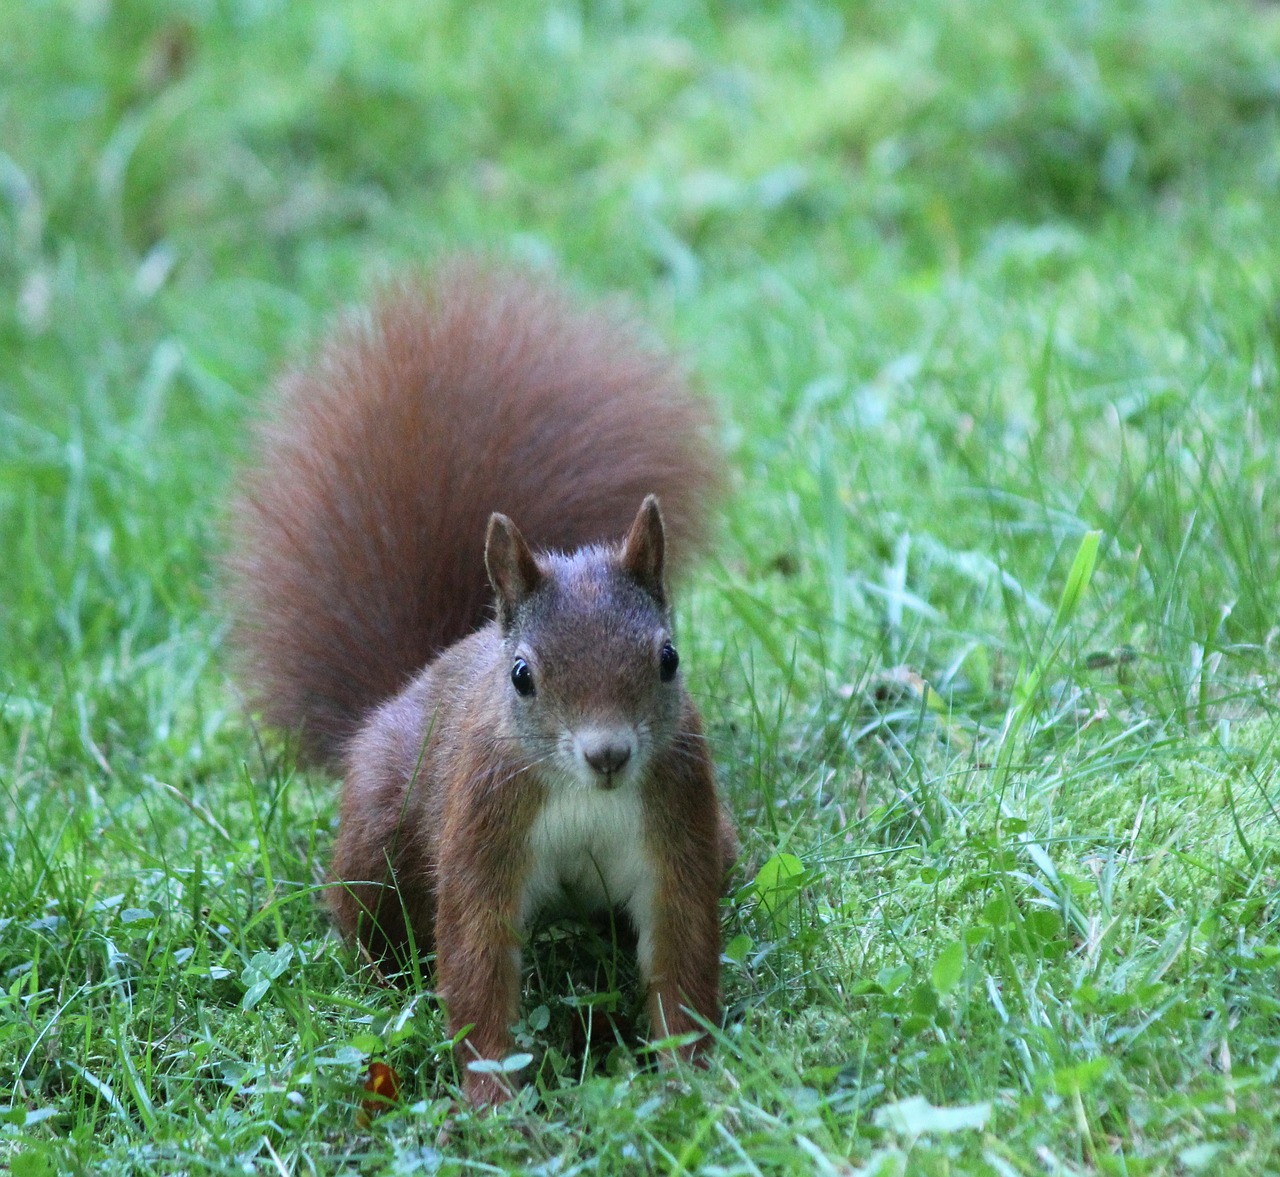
(522, 678)
(668, 662)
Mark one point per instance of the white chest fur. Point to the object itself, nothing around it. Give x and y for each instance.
(587, 848)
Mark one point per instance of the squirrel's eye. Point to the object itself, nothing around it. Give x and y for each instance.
(522, 678)
(668, 662)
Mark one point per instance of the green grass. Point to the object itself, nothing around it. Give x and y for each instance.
(976, 285)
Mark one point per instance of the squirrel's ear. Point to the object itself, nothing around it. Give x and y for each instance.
(513, 571)
(644, 551)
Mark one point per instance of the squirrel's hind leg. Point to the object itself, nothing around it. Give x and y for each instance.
(382, 875)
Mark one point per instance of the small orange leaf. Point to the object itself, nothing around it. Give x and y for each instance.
(382, 1087)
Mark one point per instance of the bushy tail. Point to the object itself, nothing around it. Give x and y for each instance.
(357, 534)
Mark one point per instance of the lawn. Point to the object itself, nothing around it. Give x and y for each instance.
(988, 297)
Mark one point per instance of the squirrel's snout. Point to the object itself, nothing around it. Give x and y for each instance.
(606, 752)
(608, 759)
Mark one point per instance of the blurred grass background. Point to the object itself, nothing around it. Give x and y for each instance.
(970, 282)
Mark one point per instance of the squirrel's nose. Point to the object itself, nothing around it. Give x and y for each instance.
(606, 752)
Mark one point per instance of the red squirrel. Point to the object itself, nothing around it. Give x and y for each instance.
(448, 576)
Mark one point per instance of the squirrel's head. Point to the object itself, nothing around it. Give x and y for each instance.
(592, 676)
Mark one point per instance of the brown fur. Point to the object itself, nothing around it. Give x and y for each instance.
(358, 535)
(355, 580)
(695, 843)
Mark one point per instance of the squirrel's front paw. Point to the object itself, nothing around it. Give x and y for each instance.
(487, 1088)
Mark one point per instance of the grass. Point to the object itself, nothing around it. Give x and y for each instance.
(978, 287)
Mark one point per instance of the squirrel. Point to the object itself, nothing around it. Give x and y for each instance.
(504, 703)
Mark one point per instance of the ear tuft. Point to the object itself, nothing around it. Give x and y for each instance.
(513, 570)
(644, 550)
